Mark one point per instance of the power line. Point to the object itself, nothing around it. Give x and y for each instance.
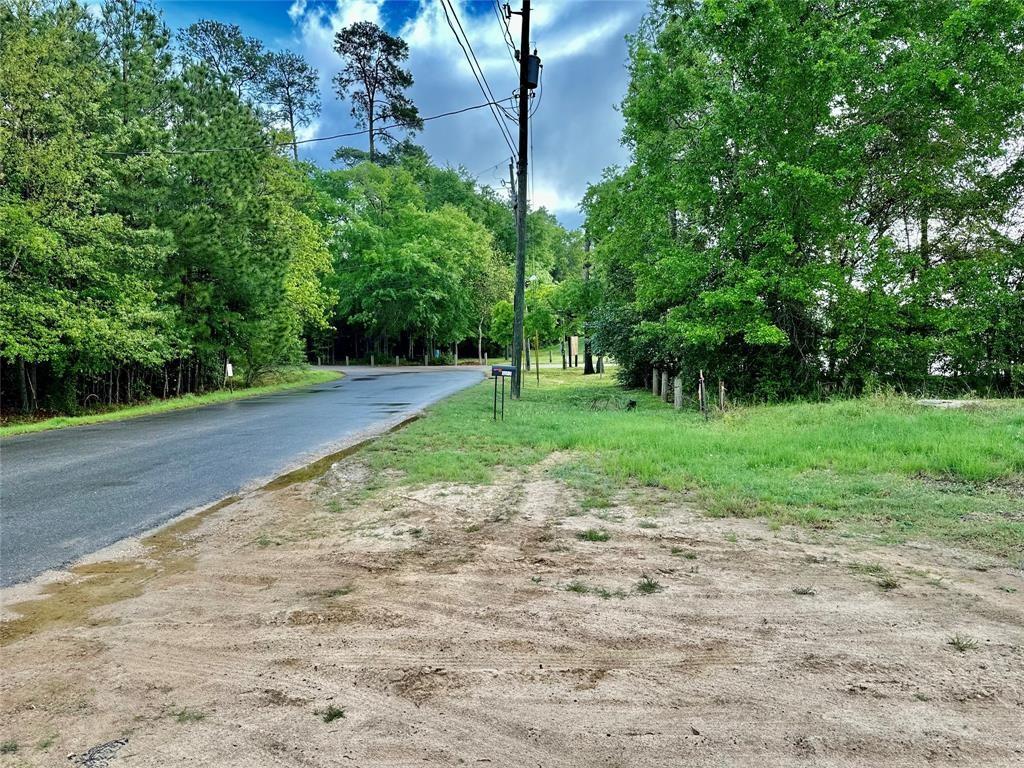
(474, 64)
(276, 144)
(506, 34)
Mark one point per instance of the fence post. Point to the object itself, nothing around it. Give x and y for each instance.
(721, 395)
(656, 383)
(371, 361)
(346, 361)
(677, 392)
(396, 361)
(665, 391)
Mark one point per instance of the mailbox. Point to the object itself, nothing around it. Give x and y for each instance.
(501, 372)
(505, 371)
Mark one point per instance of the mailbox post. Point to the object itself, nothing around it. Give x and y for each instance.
(501, 372)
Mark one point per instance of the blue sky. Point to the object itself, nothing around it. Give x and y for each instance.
(576, 127)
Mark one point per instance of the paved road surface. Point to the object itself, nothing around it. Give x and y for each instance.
(69, 492)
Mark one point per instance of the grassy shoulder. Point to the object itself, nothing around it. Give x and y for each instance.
(885, 467)
(286, 379)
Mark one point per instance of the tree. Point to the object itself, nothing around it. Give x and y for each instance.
(292, 89)
(373, 77)
(240, 61)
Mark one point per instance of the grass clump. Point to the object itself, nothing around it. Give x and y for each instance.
(8, 747)
(686, 554)
(186, 715)
(593, 534)
(962, 643)
(647, 585)
(578, 587)
(888, 583)
(803, 591)
(330, 713)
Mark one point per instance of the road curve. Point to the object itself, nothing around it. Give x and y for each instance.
(69, 492)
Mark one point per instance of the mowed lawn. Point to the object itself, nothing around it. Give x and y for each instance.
(885, 467)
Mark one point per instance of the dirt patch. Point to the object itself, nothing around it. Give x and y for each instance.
(463, 625)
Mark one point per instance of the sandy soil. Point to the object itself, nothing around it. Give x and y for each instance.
(443, 621)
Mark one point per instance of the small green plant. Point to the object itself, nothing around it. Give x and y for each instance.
(264, 540)
(1011, 590)
(8, 747)
(922, 697)
(472, 528)
(46, 742)
(578, 587)
(647, 585)
(888, 583)
(962, 643)
(415, 532)
(686, 554)
(336, 592)
(330, 713)
(593, 534)
(607, 594)
(535, 579)
(731, 537)
(647, 524)
(186, 715)
(803, 590)
(868, 569)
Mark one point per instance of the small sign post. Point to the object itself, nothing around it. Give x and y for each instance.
(501, 372)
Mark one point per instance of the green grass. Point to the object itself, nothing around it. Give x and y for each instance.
(884, 467)
(281, 381)
(330, 713)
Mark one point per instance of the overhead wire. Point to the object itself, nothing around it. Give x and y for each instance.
(278, 144)
(474, 67)
(506, 34)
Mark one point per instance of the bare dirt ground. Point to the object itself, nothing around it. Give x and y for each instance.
(458, 625)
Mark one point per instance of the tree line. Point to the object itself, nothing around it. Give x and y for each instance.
(156, 224)
(822, 197)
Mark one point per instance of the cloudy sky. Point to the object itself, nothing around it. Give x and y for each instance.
(576, 127)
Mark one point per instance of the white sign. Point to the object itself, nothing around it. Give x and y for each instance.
(229, 370)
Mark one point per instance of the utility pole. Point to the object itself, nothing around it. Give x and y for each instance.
(529, 67)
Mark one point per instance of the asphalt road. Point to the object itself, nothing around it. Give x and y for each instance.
(69, 492)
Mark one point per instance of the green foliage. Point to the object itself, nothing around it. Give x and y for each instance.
(822, 197)
(132, 265)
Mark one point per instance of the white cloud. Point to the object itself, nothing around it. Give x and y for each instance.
(576, 129)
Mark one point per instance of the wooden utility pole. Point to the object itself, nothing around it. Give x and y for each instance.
(524, 148)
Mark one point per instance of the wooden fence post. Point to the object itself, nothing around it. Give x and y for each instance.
(665, 391)
(677, 400)
(656, 383)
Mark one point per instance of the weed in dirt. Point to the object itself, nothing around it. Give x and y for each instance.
(684, 553)
(535, 579)
(888, 583)
(868, 569)
(186, 715)
(816, 559)
(803, 591)
(264, 540)
(336, 592)
(607, 594)
(593, 534)
(647, 524)
(472, 528)
(415, 532)
(330, 713)
(731, 537)
(1011, 590)
(334, 506)
(922, 697)
(647, 585)
(962, 643)
(578, 587)
(8, 747)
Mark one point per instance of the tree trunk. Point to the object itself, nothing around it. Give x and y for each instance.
(588, 358)
(22, 385)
